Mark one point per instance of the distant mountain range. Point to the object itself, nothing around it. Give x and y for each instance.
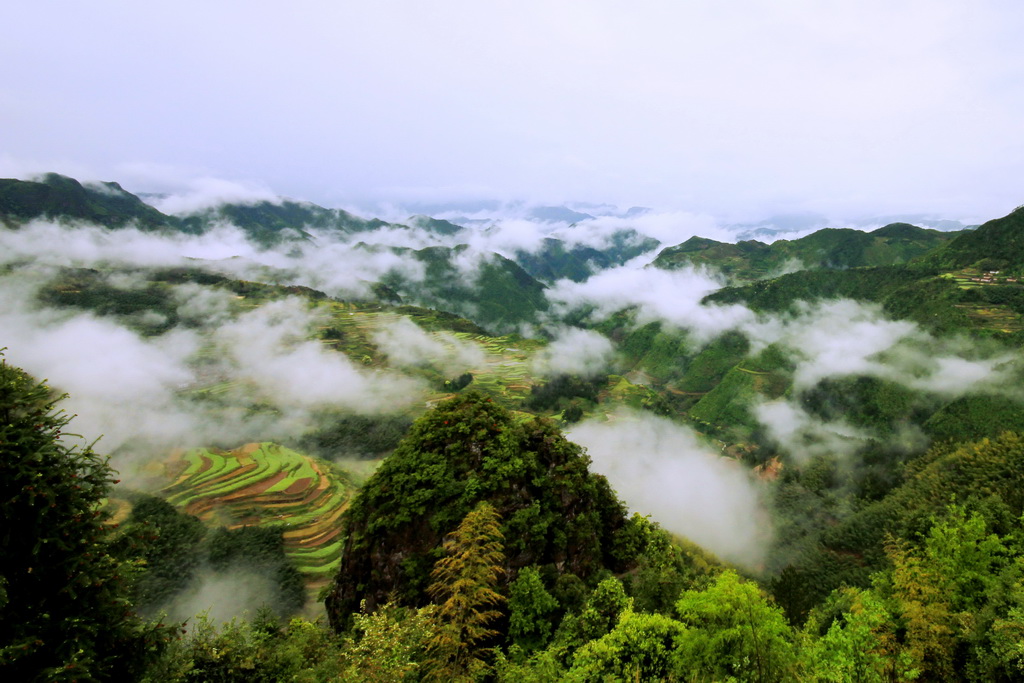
(774, 227)
(518, 279)
(59, 197)
(505, 293)
(840, 444)
(827, 248)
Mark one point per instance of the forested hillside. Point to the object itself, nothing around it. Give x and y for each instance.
(830, 248)
(428, 451)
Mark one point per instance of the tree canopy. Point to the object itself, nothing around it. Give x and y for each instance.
(469, 449)
(63, 608)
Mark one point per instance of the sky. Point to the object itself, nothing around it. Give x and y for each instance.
(736, 110)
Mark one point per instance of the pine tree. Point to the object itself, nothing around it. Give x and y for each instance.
(463, 585)
(63, 614)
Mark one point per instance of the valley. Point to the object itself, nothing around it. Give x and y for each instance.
(297, 396)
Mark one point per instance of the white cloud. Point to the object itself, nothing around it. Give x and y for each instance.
(221, 596)
(672, 296)
(208, 193)
(43, 242)
(844, 337)
(268, 348)
(408, 345)
(575, 351)
(661, 468)
(136, 392)
(804, 436)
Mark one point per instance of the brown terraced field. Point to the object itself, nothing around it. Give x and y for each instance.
(265, 484)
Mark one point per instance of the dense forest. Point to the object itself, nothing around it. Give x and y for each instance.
(326, 457)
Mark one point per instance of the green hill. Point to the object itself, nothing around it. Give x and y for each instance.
(985, 474)
(436, 225)
(995, 245)
(555, 260)
(489, 289)
(58, 197)
(830, 248)
(269, 223)
(556, 514)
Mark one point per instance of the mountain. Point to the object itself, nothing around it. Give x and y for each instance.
(884, 457)
(995, 245)
(830, 248)
(269, 223)
(555, 260)
(554, 512)
(489, 289)
(58, 197)
(436, 225)
(557, 214)
(970, 283)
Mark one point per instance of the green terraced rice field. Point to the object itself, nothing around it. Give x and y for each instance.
(266, 484)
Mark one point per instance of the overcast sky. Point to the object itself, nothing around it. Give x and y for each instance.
(738, 109)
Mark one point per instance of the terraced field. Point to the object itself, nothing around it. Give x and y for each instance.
(504, 374)
(988, 316)
(265, 484)
(993, 317)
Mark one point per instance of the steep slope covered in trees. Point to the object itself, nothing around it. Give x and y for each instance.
(61, 198)
(555, 259)
(490, 289)
(64, 613)
(996, 244)
(555, 512)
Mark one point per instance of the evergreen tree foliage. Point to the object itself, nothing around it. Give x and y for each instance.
(665, 566)
(389, 645)
(169, 545)
(860, 646)
(531, 610)
(555, 513)
(947, 608)
(63, 610)
(174, 548)
(924, 611)
(561, 389)
(463, 586)
(987, 473)
(734, 631)
(602, 611)
(459, 383)
(641, 647)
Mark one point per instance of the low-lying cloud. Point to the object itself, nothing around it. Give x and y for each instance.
(269, 349)
(207, 193)
(575, 351)
(671, 296)
(661, 468)
(844, 337)
(148, 395)
(408, 345)
(804, 436)
(221, 596)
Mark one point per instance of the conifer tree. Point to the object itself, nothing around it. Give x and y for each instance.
(463, 585)
(63, 611)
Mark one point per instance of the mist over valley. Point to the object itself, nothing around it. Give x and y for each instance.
(270, 380)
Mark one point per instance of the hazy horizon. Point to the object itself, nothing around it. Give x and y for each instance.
(736, 112)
